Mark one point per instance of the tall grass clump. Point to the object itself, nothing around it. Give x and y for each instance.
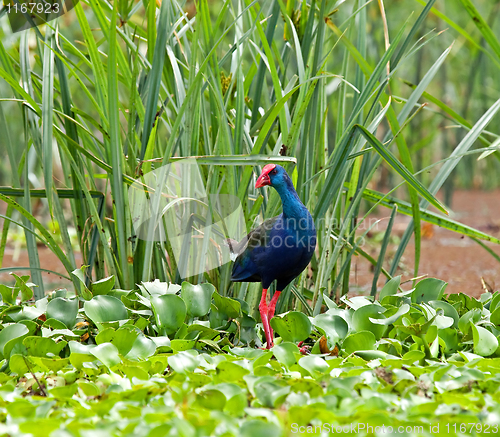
(114, 91)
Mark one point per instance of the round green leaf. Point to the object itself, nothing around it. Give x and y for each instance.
(64, 310)
(142, 348)
(390, 288)
(105, 309)
(334, 327)
(271, 394)
(40, 426)
(285, 353)
(448, 339)
(360, 341)
(448, 310)
(252, 428)
(495, 300)
(107, 354)
(9, 336)
(42, 346)
(183, 362)
(197, 298)
(229, 371)
(485, 343)
(428, 289)
(292, 326)
(361, 319)
(25, 313)
(402, 310)
(314, 364)
(371, 355)
(228, 306)
(495, 316)
(103, 286)
(170, 312)
(123, 338)
(474, 315)
(212, 399)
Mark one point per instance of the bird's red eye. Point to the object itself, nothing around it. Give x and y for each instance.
(274, 171)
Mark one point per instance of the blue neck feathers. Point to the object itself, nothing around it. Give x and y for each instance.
(292, 206)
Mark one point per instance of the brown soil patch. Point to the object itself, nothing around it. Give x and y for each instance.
(445, 254)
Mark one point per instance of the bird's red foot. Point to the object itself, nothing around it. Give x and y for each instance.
(304, 350)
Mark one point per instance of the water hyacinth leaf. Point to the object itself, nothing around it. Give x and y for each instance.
(390, 288)
(411, 356)
(448, 339)
(123, 338)
(183, 362)
(51, 364)
(78, 360)
(203, 332)
(162, 343)
(103, 286)
(390, 320)
(333, 326)
(55, 325)
(9, 294)
(197, 298)
(485, 343)
(21, 364)
(63, 310)
(158, 364)
(314, 365)
(428, 289)
(83, 291)
(42, 347)
(495, 300)
(63, 392)
(212, 399)
(142, 348)
(89, 388)
(364, 340)
(361, 319)
(356, 301)
(231, 372)
(369, 355)
(495, 317)
(24, 286)
(271, 394)
(473, 316)
(285, 353)
(25, 313)
(105, 309)
(178, 345)
(236, 399)
(9, 336)
(169, 311)
(252, 428)
(448, 310)
(228, 306)
(217, 318)
(38, 427)
(107, 354)
(158, 288)
(441, 321)
(135, 372)
(292, 326)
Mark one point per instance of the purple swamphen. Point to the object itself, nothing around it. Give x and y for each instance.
(279, 249)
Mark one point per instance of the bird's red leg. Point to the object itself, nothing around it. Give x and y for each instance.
(263, 309)
(272, 308)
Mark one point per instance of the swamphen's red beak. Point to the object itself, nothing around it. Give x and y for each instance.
(264, 178)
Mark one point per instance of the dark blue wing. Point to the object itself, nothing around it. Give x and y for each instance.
(245, 269)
